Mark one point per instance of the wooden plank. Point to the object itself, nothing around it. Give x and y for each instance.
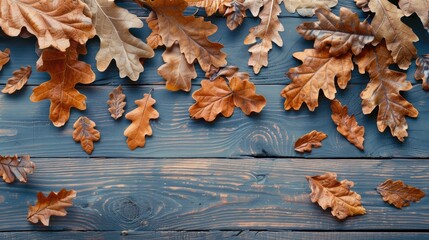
(211, 194)
(25, 128)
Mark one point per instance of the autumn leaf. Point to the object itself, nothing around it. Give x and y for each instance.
(19, 79)
(140, 126)
(309, 141)
(383, 91)
(217, 97)
(328, 192)
(86, 134)
(154, 40)
(420, 7)
(318, 72)
(342, 34)
(112, 25)
(53, 205)
(235, 13)
(254, 6)
(116, 103)
(422, 71)
(307, 8)
(54, 23)
(4, 57)
(211, 6)
(363, 4)
(12, 167)
(347, 125)
(66, 71)
(398, 193)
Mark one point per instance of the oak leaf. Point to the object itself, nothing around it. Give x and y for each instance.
(211, 6)
(66, 71)
(116, 103)
(19, 79)
(398, 193)
(422, 71)
(217, 97)
(12, 167)
(383, 91)
(54, 23)
(307, 8)
(235, 13)
(328, 192)
(154, 40)
(254, 6)
(4, 57)
(309, 141)
(86, 134)
(112, 25)
(318, 71)
(342, 34)
(53, 205)
(347, 125)
(420, 7)
(140, 126)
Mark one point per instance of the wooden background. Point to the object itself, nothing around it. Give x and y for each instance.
(235, 178)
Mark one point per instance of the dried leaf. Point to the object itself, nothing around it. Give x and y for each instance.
(383, 91)
(347, 125)
(217, 97)
(398, 193)
(112, 25)
(387, 25)
(267, 31)
(422, 71)
(309, 141)
(53, 205)
(66, 71)
(211, 6)
(116, 103)
(254, 6)
(318, 72)
(12, 167)
(235, 13)
(140, 126)
(54, 23)
(341, 34)
(4, 57)
(328, 192)
(19, 79)
(307, 8)
(86, 134)
(363, 4)
(154, 40)
(420, 7)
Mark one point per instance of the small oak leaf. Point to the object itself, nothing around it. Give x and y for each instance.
(86, 134)
(12, 167)
(422, 71)
(4, 57)
(309, 141)
(116, 103)
(19, 79)
(398, 193)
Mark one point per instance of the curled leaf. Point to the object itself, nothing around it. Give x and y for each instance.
(398, 193)
(19, 79)
(116, 103)
(86, 134)
(309, 141)
(12, 167)
(422, 71)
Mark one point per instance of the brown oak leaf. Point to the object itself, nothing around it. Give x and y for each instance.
(112, 25)
(53, 205)
(422, 71)
(307, 8)
(309, 141)
(86, 134)
(211, 6)
(341, 34)
(54, 23)
(66, 71)
(4, 57)
(140, 126)
(154, 40)
(217, 97)
(318, 71)
(420, 7)
(235, 13)
(328, 192)
(398, 193)
(12, 167)
(116, 103)
(19, 79)
(383, 91)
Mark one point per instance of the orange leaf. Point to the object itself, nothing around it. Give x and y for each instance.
(140, 126)
(66, 71)
(86, 134)
(422, 71)
(154, 39)
(4, 57)
(19, 79)
(116, 103)
(235, 13)
(309, 141)
(13, 166)
(211, 6)
(398, 193)
(53, 205)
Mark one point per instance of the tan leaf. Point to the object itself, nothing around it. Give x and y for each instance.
(328, 192)
(12, 167)
(420, 7)
(398, 193)
(342, 34)
(254, 6)
(309, 141)
(54, 23)
(66, 71)
(363, 4)
(347, 125)
(140, 126)
(154, 39)
(19, 79)
(116, 42)
(4, 57)
(217, 97)
(235, 13)
(116, 103)
(318, 72)
(211, 6)
(86, 134)
(422, 71)
(268, 32)
(53, 205)
(387, 25)
(383, 91)
(307, 8)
